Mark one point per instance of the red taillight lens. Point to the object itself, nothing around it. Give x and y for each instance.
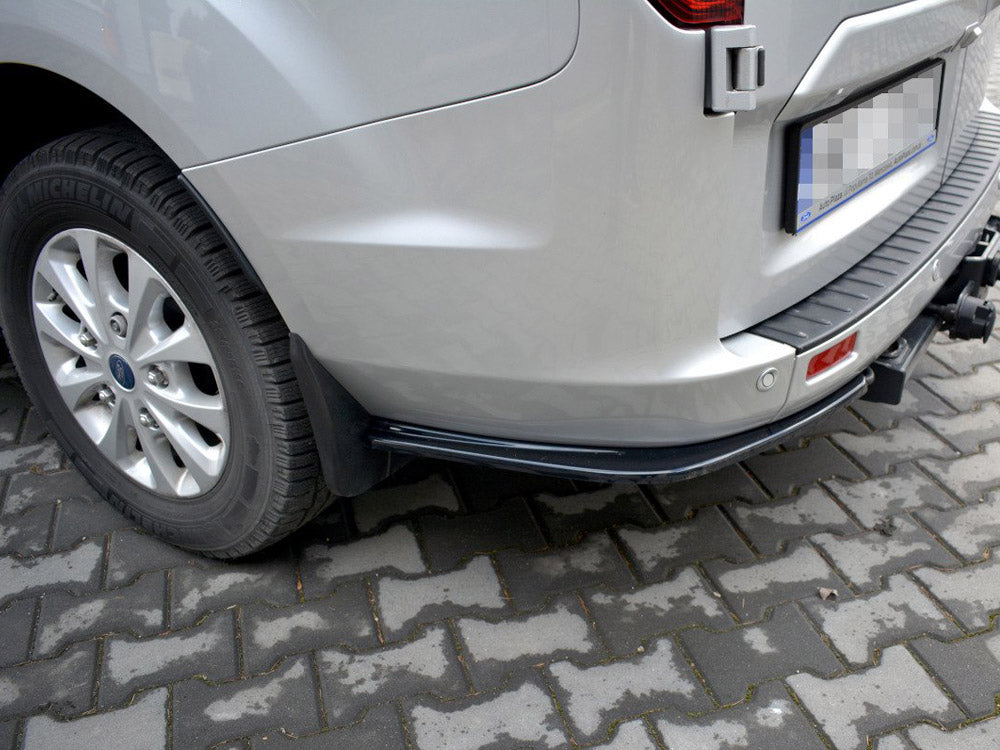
(701, 12)
(829, 357)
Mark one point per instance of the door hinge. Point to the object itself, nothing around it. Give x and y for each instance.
(735, 68)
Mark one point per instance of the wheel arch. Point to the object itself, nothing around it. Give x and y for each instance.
(59, 107)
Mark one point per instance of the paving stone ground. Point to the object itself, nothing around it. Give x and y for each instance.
(460, 607)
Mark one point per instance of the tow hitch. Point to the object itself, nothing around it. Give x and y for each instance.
(957, 309)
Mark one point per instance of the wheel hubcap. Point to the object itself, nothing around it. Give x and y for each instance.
(130, 363)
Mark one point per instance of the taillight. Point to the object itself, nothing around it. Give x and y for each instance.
(701, 12)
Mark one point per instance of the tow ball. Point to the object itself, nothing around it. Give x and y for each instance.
(963, 313)
(957, 309)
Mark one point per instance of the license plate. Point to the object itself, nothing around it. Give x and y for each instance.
(839, 154)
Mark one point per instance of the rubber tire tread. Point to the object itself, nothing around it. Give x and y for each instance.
(298, 492)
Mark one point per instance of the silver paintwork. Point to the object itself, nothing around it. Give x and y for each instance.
(521, 222)
(141, 428)
(574, 261)
(208, 79)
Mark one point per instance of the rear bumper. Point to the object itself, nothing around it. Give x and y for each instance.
(668, 464)
(877, 300)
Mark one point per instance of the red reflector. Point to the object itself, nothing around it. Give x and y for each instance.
(827, 359)
(701, 12)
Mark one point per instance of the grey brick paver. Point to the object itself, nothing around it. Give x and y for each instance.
(969, 430)
(917, 400)
(970, 531)
(970, 668)
(770, 526)
(9, 734)
(970, 594)
(195, 591)
(208, 650)
(472, 589)
(395, 550)
(631, 618)
(875, 499)
(139, 726)
(137, 609)
(133, 553)
(343, 618)
(752, 587)
(28, 490)
(968, 477)
(65, 683)
(892, 742)
(879, 451)
(494, 649)
(856, 706)
(632, 735)
(857, 627)
(519, 716)
(16, 622)
(594, 696)
(658, 551)
(770, 719)
(866, 558)
(432, 493)
(533, 578)
(984, 735)
(782, 473)
(568, 519)
(379, 729)
(680, 500)
(965, 356)
(284, 699)
(39, 457)
(79, 518)
(27, 533)
(784, 644)
(966, 391)
(429, 663)
(77, 570)
(508, 525)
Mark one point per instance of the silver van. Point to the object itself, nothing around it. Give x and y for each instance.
(254, 255)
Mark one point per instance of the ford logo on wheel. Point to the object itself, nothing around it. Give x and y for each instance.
(121, 372)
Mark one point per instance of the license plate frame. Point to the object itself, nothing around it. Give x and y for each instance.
(802, 208)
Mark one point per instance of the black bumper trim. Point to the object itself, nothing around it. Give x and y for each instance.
(640, 464)
(870, 282)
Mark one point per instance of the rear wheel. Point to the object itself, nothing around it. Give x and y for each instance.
(161, 369)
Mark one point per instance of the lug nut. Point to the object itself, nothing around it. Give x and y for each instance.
(106, 397)
(118, 324)
(146, 420)
(87, 338)
(157, 377)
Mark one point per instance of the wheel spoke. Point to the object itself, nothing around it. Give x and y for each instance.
(115, 443)
(51, 323)
(66, 280)
(163, 472)
(145, 293)
(199, 459)
(77, 384)
(98, 261)
(208, 411)
(183, 345)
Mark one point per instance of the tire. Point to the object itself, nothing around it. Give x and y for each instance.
(211, 447)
